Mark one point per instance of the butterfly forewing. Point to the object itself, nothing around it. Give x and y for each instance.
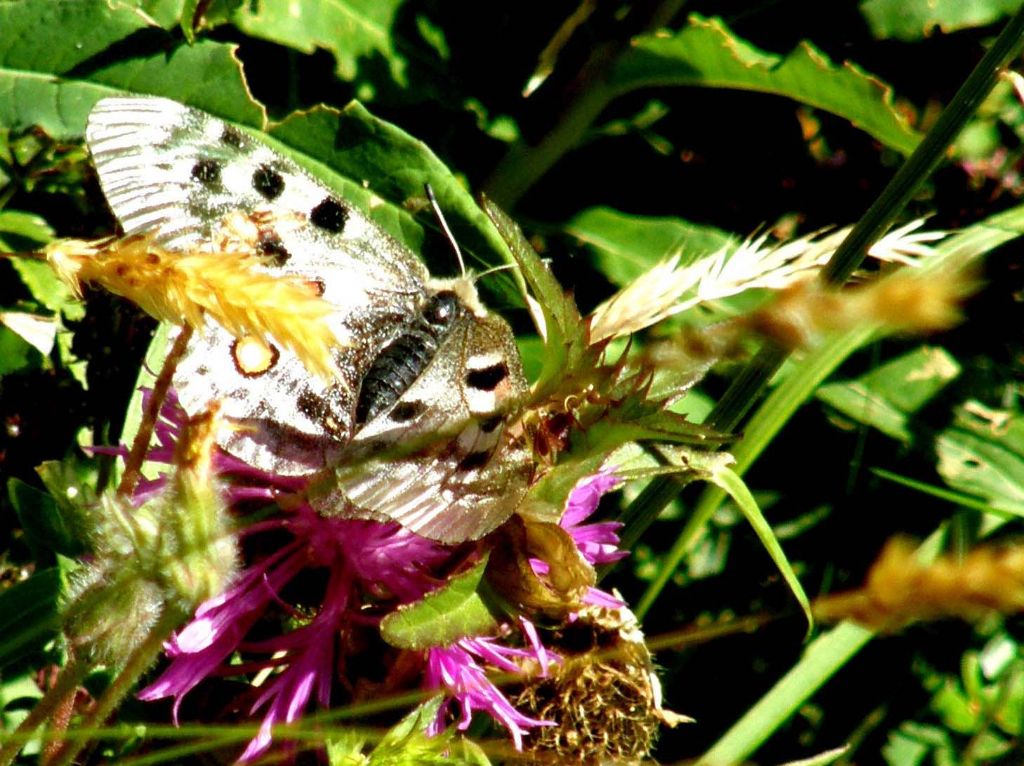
(194, 183)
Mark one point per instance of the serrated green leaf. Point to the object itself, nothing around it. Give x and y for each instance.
(706, 53)
(55, 64)
(626, 246)
(888, 396)
(915, 19)
(42, 519)
(454, 611)
(985, 460)
(353, 31)
(565, 333)
(16, 354)
(29, 614)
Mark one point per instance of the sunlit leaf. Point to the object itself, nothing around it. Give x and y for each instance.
(915, 19)
(454, 611)
(706, 53)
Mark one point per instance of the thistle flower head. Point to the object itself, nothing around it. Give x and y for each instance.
(173, 551)
(603, 701)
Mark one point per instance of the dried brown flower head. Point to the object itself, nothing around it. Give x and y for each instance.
(604, 698)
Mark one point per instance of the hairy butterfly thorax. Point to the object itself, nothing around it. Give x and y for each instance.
(411, 426)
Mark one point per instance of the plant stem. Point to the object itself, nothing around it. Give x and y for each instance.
(137, 664)
(67, 682)
(133, 464)
(525, 163)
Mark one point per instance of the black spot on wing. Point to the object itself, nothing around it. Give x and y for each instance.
(403, 412)
(318, 408)
(207, 172)
(311, 405)
(232, 137)
(487, 378)
(271, 246)
(474, 460)
(489, 425)
(268, 182)
(330, 215)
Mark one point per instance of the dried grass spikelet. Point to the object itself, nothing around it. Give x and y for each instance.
(907, 301)
(604, 699)
(900, 590)
(672, 287)
(229, 286)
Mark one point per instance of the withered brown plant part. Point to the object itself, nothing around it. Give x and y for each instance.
(229, 286)
(604, 697)
(900, 589)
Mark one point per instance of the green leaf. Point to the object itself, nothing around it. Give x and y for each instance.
(886, 397)
(915, 19)
(565, 333)
(16, 354)
(982, 454)
(29, 614)
(454, 611)
(46, 288)
(27, 226)
(626, 246)
(355, 32)
(740, 493)
(55, 63)
(706, 53)
(43, 521)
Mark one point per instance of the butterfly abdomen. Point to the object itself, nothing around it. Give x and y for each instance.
(402, 361)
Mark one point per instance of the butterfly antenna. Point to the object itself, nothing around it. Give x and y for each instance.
(444, 226)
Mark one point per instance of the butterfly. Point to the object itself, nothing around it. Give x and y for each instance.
(412, 427)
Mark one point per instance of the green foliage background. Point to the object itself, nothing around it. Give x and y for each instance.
(661, 128)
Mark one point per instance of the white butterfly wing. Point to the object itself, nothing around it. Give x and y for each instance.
(189, 181)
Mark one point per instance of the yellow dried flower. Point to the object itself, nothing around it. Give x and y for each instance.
(900, 589)
(228, 286)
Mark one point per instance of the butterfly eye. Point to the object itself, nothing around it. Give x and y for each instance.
(441, 308)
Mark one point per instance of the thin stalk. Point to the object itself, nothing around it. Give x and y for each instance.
(525, 163)
(133, 464)
(137, 664)
(754, 378)
(67, 682)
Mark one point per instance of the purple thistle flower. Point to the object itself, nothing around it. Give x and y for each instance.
(598, 543)
(372, 568)
(455, 668)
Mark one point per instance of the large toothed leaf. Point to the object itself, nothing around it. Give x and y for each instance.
(344, 149)
(58, 58)
(443, 617)
(706, 53)
(914, 19)
(355, 32)
(982, 454)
